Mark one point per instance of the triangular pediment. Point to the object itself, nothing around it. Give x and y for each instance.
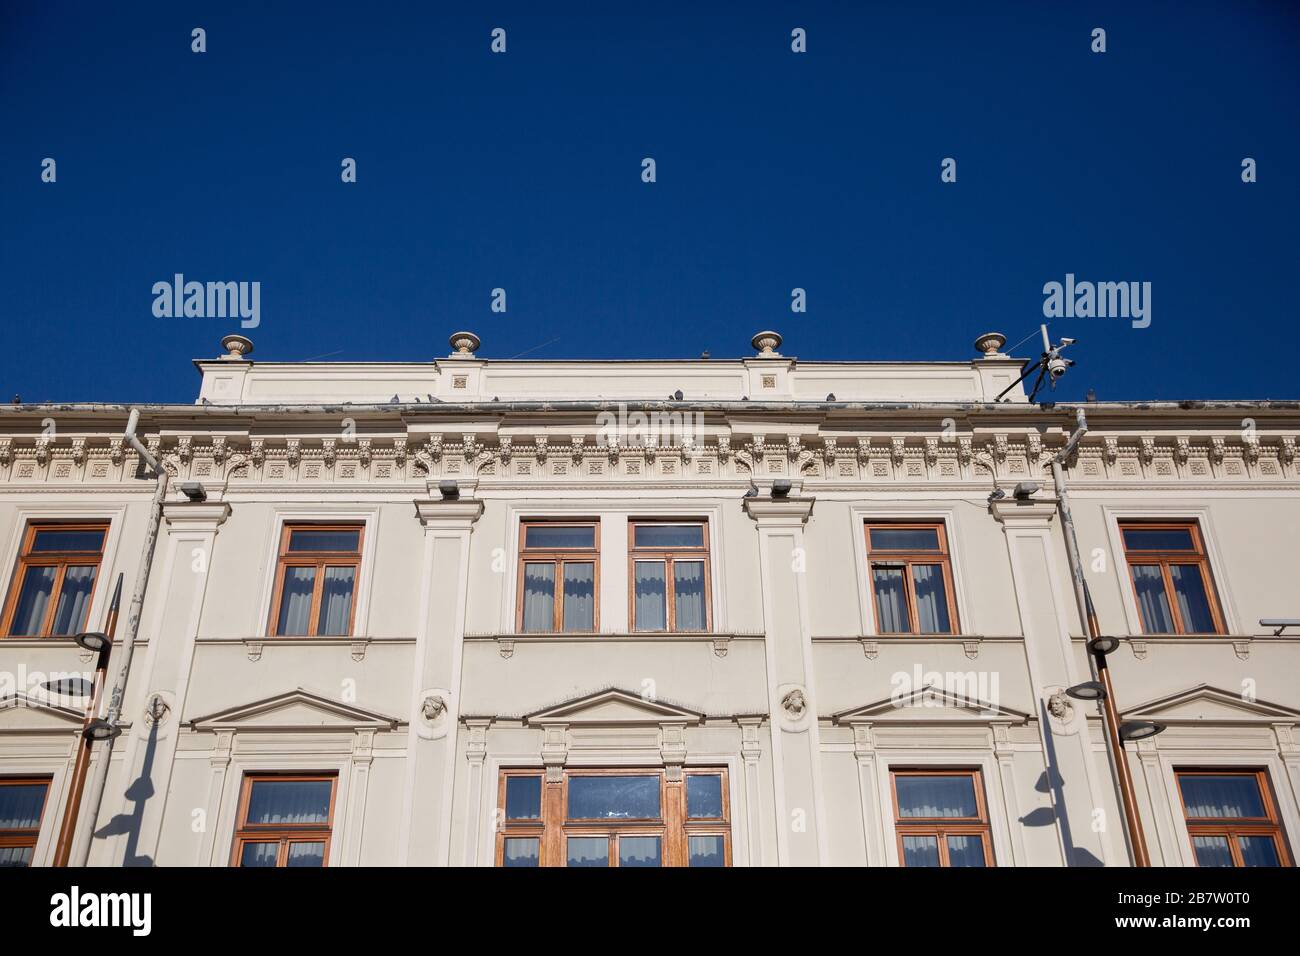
(22, 713)
(930, 704)
(1207, 704)
(613, 707)
(296, 710)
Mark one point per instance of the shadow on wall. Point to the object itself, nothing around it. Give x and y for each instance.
(1052, 782)
(139, 793)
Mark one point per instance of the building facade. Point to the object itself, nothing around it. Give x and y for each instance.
(745, 612)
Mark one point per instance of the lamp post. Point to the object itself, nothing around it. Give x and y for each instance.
(1098, 647)
(102, 643)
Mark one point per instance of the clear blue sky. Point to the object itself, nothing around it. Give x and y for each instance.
(522, 171)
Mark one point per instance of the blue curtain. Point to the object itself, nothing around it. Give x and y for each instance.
(891, 601)
(38, 583)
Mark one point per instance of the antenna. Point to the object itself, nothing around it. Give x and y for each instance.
(1050, 365)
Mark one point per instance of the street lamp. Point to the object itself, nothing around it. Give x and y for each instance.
(1139, 729)
(1088, 690)
(94, 728)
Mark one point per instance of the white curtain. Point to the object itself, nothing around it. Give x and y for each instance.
(891, 602)
(1152, 600)
(539, 597)
(579, 596)
(1219, 797)
(938, 796)
(931, 599)
(74, 600)
(965, 850)
(289, 802)
(20, 806)
(336, 602)
(688, 595)
(35, 598)
(1212, 851)
(920, 851)
(521, 851)
(295, 602)
(651, 596)
(1193, 604)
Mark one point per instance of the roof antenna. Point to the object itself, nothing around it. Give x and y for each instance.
(1050, 365)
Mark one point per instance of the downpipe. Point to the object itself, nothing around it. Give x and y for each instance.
(85, 835)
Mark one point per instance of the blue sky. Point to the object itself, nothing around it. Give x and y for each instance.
(523, 171)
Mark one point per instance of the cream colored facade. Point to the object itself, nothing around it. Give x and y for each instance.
(791, 690)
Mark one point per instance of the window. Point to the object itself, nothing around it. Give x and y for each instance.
(284, 820)
(669, 570)
(22, 803)
(55, 579)
(940, 818)
(559, 576)
(316, 580)
(1171, 578)
(627, 817)
(911, 579)
(1232, 818)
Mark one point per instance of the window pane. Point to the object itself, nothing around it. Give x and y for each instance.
(904, 539)
(34, 598)
(891, 601)
(54, 539)
(949, 795)
(539, 597)
(588, 851)
(1212, 851)
(1152, 600)
(614, 798)
(15, 856)
(688, 595)
(703, 796)
(74, 600)
(521, 851)
(523, 798)
(651, 601)
(931, 599)
(579, 596)
(311, 540)
(965, 850)
(1159, 539)
(1258, 851)
(259, 854)
(707, 851)
(550, 536)
(638, 851)
(290, 802)
(1221, 796)
(920, 851)
(306, 854)
(669, 536)
(295, 601)
(1193, 603)
(335, 619)
(20, 806)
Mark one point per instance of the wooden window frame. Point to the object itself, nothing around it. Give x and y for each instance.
(673, 828)
(942, 827)
(61, 560)
(1269, 825)
(668, 556)
(558, 557)
(942, 557)
(285, 834)
(1197, 557)
(27, 836)
(319, 560)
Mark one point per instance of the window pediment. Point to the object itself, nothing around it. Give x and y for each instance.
(1208, 704)
(297, 710)
(614, 707)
